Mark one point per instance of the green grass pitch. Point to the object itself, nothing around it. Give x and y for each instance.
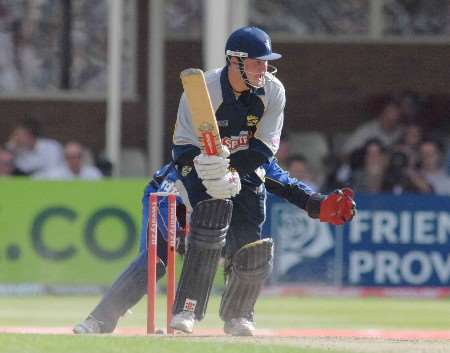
(271, 313)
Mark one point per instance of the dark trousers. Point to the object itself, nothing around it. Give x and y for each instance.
(249, 211)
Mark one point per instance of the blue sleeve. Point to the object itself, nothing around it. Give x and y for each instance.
(279, 183)
(163, 181)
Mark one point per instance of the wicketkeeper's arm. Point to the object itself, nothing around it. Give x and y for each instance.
(336, 208)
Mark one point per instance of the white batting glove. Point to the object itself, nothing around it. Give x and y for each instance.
(225, 152)
(224, 188)
(212, 167)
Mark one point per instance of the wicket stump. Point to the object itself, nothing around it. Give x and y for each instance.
(152, 244)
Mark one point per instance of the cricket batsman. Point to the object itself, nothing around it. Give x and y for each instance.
(226, 191)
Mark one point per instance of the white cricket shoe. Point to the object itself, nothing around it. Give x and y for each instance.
(183, 321)
(239, 327)
(88, 326)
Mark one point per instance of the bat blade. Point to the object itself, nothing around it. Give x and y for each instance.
(202, 112)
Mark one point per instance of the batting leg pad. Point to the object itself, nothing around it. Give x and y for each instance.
(125, 292)
(250, 267)
(209, 225)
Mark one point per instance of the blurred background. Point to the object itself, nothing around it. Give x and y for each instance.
(96, 85)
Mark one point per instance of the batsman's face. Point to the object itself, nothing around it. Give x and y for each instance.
(255, 70)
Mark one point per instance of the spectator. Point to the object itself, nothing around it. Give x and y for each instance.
(410, 141)
(386, 127)
(33, 153)
(433, 168)
(74, 166)
(6, 163)
(369, 177)
(401, 177)
(298, 167)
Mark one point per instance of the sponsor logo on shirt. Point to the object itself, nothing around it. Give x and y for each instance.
(237, 143)
(186, 170)
(252, 120)
(167, 186)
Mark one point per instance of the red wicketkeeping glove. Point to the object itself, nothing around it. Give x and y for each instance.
(338, 207)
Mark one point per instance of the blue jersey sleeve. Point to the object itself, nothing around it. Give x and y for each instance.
(279, 183)
(163, 181)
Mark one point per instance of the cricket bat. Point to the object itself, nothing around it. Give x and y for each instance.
(202, 112)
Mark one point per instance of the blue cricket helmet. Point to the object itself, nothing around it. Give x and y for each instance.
(250, 42)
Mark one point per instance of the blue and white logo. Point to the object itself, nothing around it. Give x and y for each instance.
(300, 241)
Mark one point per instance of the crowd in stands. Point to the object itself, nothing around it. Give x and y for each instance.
(32, 40)
(28, 153)
(321, 17)
(399, 150)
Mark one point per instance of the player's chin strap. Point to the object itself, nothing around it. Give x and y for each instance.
(268, 76)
